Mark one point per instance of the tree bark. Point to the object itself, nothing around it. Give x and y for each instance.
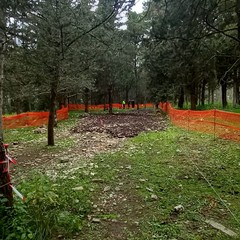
(5, 189)
(126, 94)
(235, 89)
(193, 96)
(136, 80)
(104, 104)
(2, 62)
(238, 17)
(237, 94)
(2, 59)
(110, 100)
(181, 98)
(212, 96)
(51, 118)
(203, 92)
(86, 100)
(224, 92)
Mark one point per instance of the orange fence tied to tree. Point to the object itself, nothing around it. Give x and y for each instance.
(34, 119)
(220, 123)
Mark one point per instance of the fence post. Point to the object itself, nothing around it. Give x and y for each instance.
(5, 188)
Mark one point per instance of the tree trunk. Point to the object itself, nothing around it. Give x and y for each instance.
(193, 96)
(136, 82)
(224, 92)
(2, 59)
(238, 17)
(237, 94)
(212, 96)
(110, 100)
(5, 191)
(235, 90)
(2, 63)
(126, 94)
(181, 98)
(203, 92)
(18, 106)
(104, 103)
(86, 99)
(51, 118)
(209, 95)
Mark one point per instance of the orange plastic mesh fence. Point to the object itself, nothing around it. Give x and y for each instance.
(39, 118)
(31, 119)
(223, 124)
(73, 107)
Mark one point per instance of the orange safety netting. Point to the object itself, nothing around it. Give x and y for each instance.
(223, 124)
(31, 119)
(39, 118)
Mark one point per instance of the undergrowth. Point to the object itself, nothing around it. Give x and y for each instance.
(51, 208)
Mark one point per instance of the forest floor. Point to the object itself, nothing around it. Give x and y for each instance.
(154, 185)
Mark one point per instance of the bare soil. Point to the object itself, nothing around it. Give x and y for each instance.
(121, 125)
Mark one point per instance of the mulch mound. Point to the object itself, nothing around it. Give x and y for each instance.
(121, 124)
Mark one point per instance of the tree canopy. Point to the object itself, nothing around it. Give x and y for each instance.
(57, 51)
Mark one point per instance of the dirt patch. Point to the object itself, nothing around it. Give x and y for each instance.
(121, 124)
(85, 146)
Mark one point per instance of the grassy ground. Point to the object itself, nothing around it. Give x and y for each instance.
(131, 194)
(177, 168)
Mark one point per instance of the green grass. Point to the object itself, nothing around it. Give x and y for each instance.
(181, 168)
(174, 162)
(52, 208)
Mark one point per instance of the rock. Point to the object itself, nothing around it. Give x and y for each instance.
(40, 130)
(96, 220)
(107, 188)
(154, 197)
(149, 189)
(221, 228)
(179, 208)
(80, 188)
